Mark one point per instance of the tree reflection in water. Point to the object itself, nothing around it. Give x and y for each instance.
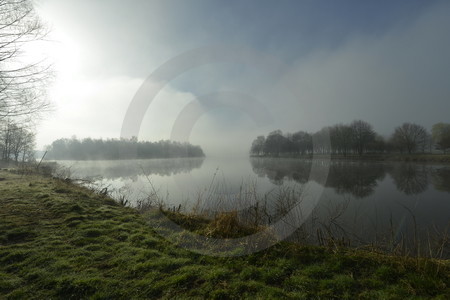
(348, 213)
(358, 179)
(111, 169)
(411, 179)
(277, 170)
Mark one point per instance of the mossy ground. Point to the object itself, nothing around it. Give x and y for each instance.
(59, 240)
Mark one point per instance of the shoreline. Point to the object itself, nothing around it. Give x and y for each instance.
(59, 239)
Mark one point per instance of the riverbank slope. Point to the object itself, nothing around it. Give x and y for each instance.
(60, 240)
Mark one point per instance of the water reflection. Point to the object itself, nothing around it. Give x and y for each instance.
(358, 179)
(411, 179)
(132, 168)
(388, 204)
(278, 170)
(363, 201)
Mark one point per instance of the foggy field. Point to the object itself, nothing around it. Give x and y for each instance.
(59, 240)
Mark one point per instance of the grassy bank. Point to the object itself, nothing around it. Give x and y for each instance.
(424, 158)
(59, 240)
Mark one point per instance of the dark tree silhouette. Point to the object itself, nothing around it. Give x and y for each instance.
(302, 142)
(410, 136)
(258, 145)
(358, 137)
(96, 149)
(362, 135)
(275, 143)
(341, 139)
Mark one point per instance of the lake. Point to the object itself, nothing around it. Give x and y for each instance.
(362, 202)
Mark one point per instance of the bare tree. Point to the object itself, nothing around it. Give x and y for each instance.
(274, 143)
(410, 136)
(302, 142)
(258, 145)
(321, 141)
(28, 146)
(22, 82)
(341, 138)
(362, 135)
(16, 142)
(22, 145)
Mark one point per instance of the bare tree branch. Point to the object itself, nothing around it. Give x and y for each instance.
(22, 83)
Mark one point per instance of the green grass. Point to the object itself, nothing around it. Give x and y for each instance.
(61, 241)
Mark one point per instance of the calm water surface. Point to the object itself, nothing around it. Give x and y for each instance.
(361, 200)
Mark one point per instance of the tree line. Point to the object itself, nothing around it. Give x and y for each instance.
(358, 137)
(113, 149)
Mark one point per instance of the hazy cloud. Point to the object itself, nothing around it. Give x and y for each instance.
(386, 63)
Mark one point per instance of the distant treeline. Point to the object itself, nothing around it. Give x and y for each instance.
(112, 149)
(358, 137)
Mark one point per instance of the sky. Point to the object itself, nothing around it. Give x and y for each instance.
(219, 73)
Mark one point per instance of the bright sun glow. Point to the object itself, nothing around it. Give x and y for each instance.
(59, 50)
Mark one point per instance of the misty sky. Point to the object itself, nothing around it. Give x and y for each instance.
(386, 62)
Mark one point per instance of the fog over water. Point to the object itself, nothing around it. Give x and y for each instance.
(366, 198)
(219, 74)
